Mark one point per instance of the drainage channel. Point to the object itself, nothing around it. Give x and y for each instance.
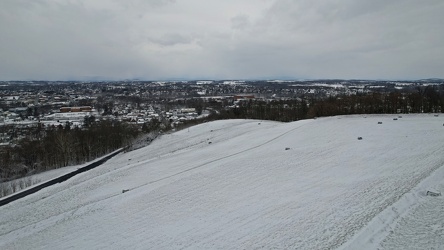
(58, 179)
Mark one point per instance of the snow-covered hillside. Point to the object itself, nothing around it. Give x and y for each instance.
(238, 184)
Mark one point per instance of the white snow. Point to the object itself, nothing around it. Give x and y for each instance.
(414, 222)
(233, 185)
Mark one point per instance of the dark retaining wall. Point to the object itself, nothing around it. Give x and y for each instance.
(62, 178)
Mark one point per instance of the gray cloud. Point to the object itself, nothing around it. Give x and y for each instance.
(171, 39)
(55, 39)
(240, 22)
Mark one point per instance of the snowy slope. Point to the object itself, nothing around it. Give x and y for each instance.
(413, 222)
(233, 185)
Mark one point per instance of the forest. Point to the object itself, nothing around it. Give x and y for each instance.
(424, 100)
(55, 147)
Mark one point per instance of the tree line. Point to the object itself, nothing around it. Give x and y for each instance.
(425, 100)
(55, 147)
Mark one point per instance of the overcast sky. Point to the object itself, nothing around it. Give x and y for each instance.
(221, 39)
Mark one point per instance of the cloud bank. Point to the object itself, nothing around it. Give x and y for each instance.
(196, 39)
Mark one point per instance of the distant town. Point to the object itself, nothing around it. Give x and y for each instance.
(27, 104)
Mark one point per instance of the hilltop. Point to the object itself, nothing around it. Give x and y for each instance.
(238, 184)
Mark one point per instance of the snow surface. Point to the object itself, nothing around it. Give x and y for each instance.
(234, 185)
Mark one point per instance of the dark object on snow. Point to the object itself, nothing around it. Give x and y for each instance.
(436, 115)
(209, 142)
(59, 179)
(379, 122)
(359, 138)
(394, 119)
(399, 116)
(430, 193)
(125, 190)
(287, 148)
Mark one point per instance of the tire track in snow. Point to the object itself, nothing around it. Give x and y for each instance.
(381, 224)
(168, 154)
(218, 159)
(84, 205)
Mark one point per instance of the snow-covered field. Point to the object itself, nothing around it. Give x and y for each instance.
(246, 184)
